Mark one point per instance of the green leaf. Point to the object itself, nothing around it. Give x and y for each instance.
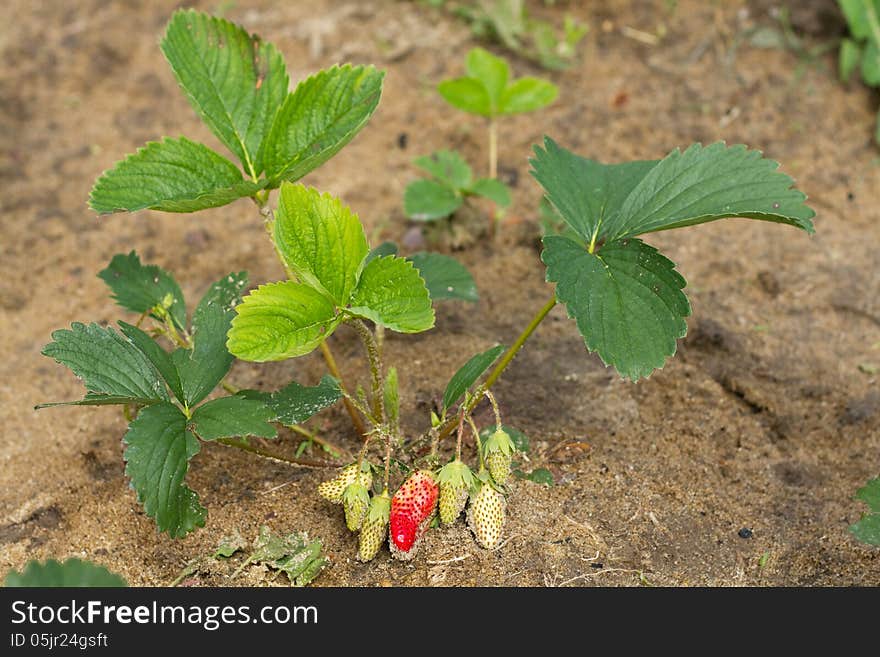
(391, 396)
(320, 239)
(705, 183)
(302, 560)
(159, 447)
(527, 95)
(541, 476)
(203, 366)
(70, 573)
(98, 399)
(384, 249)
(448, 167)
(160, 358)
(106, 362)
(295, 403)
(468, 374)
(235, 81)
(466, 94)
(856, 17)
(626, 298)
(445, 277)
(867, 529)
(871, 64)
(280, 321)
(392, 294)
(850, 55)
(233, 416)
(140, 288)
(321, 116)
(586, 193)
(428, 200)
(492, 72)
(173, 175)
(492, 189)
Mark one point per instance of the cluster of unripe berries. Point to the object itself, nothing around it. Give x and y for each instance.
(406, 516)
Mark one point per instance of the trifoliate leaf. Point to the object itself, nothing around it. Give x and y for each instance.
(233, 416)
(69, 573)
(626, 298)
(492, 189)
(527, 95)
(867, 529)
(428, 200)
(159, 447)
(320, 239)
(445, 277)
(295, 403)
(448, 167)
(391, 293)
(321, 116)
(173, 175)
(160, 358)
(235, 81)
(140, 288)
(280, 321)
(493, 72)
(106, 362)
(466, 94)
(468, 374)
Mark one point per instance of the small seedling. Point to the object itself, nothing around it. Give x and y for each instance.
(867, 530)
(862, 51)
(488, 91)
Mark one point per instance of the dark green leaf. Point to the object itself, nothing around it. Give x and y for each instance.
(541, 476)
(235, 81)
(448, 167)
(302, 560)
(159, 447)
(106, 362)
(428, 200)
(233, 416)
(626, 298)
(494, 190)
(160, 358)
(321, 116)
(468, 374)
(140, 288)
(70, 573)
(295, 403)
(384, 249)
(445, 277)
(173, 175)
(393, 294)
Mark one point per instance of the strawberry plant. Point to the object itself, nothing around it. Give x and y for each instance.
(488, 91)
(867, 529)
(862, 51)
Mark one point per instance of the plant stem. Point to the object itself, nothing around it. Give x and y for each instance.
(375, 369)
(458, 439)
(449, 425)
(493, 148)
(356, 419)
(495, 409)
(259, 451)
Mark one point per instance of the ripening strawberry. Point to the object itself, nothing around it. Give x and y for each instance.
(356, 502)
(456, 480)
(374, 527)
(486, 515)
(332, 489)
(498, 451)
(412, 509)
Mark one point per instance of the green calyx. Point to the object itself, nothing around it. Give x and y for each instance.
(499, 441)
(457, 474)
(380, 508)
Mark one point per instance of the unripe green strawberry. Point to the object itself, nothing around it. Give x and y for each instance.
(333, 489)
(355, 501)
(498, 451)
(486, 515)
(375, 527)
(456, 480)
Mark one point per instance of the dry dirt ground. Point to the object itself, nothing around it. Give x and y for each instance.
(768, 418)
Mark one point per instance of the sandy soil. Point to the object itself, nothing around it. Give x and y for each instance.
(764, 420)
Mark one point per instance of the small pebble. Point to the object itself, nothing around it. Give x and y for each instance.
(745, 532)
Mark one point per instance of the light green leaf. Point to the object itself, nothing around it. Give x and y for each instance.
(157, 455)
(705, 183)
(527, 95)
(492, 189)
(106, 362)
(448, 167)
(849, 57)
(321, 116)
(466, 94)
(70, 573)
(320, 239)
(468, 374)
(392, 294)
(203, 366)
(626, 298)
(236, 82)
(587, 194)
(867, 530)
(445, 277)
(856, 16)
(233, 416)
(280, 321)
(391, 396)
(871, 64)
(140, 288)
(295, 403)
(492, 72)
(427, 200)
(160, 358)
(173, 175)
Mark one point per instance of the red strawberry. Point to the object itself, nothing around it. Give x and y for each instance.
(412, 509)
